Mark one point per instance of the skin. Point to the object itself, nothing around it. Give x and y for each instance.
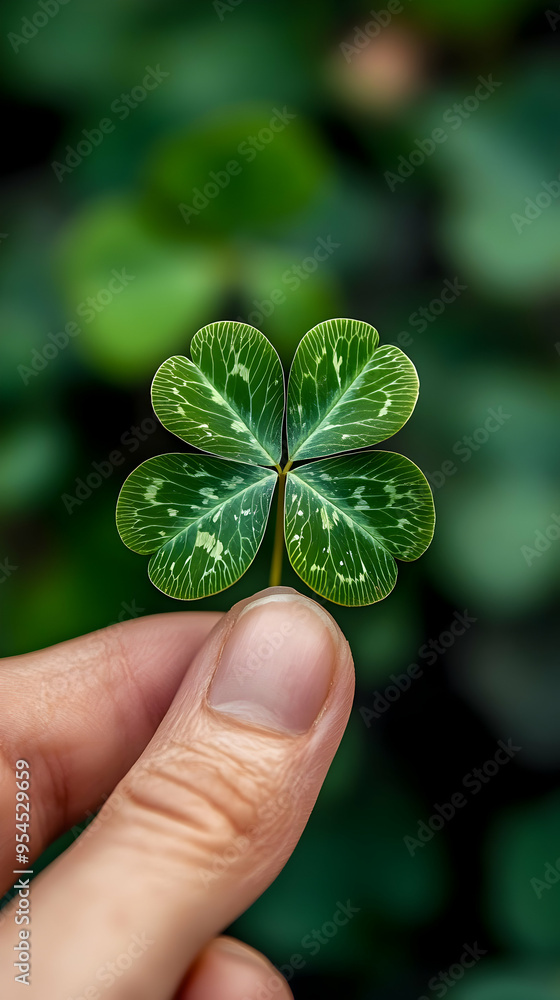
(202, 807)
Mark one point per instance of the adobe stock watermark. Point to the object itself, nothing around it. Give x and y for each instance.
(441, 983)
(429, 651)
(101, 471)
(7, 569)
(161, 757)
(553, 18)
(128, 611)
(64, 675)
(424, 315)
(249, 663)
(473, 782)
(249, 149)
(542, 540)
(453, 117)
(86, 310)
(534, 207)
(108, 974)
(223, 7)
(291, 279)
(121, 107)
(310, 944)
(31, 26)
(81, 833)
(268, 815)
(551, 877)
(371, 29)
(468, 445)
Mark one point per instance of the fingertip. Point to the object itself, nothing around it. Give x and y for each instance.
(230, 970)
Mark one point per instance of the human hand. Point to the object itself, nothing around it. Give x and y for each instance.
(211, 736)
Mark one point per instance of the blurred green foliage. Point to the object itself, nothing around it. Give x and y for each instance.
(249, 253)
(522, 890)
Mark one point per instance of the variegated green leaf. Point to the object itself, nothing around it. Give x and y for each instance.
(229, 400)
(203, 519)
(349, 517)
(346, 392)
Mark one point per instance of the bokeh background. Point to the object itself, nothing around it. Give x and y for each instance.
(460, 215)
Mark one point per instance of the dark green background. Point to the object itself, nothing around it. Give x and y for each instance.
(496, 346)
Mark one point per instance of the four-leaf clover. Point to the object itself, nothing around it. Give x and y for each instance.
(345, 518)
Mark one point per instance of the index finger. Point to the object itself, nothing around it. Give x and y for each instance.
(79, 714)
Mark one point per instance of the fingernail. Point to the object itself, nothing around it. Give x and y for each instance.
(243, 972)
(277, 664)
(242, 952)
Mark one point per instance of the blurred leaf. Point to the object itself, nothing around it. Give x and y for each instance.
(509, 981)
(472, 17)
(21, 332)
(355, 215)
(376, 873)
(55, 578)
(32, 458)
(52, 581)
(514, 691)
(493, 181)
(284, 296)
(88, 34)
(493, 431)
(523, 877)
(167, 290)
(235, 173)
(483, 525)
(208, 63)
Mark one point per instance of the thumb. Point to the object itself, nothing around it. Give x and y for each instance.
(210, 813)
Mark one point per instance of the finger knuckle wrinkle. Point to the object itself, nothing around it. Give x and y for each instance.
(202, 789)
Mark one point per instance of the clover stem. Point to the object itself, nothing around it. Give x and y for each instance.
(278, 550)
